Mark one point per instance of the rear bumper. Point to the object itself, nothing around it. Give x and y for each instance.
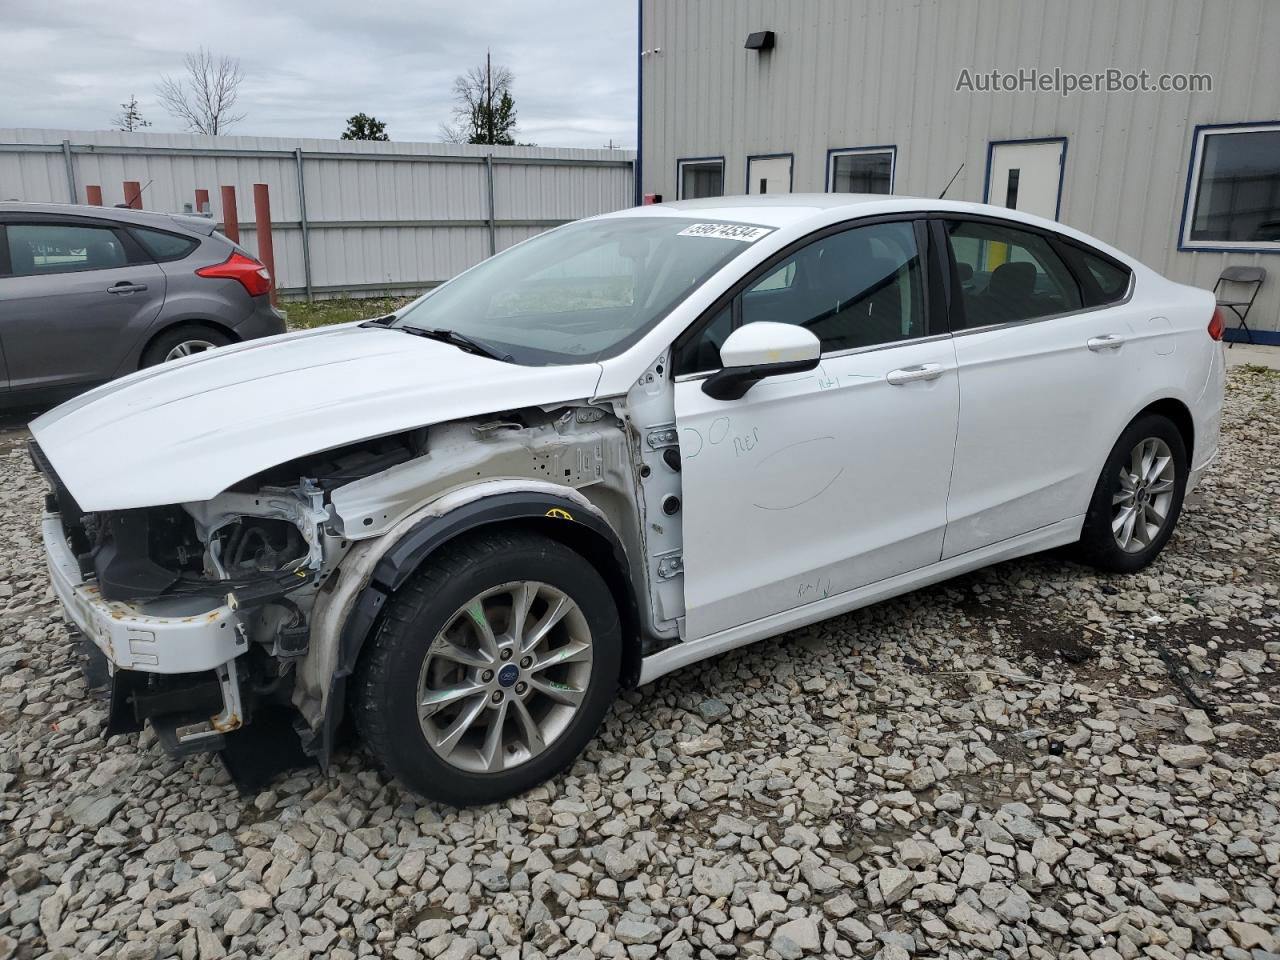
(263, 321)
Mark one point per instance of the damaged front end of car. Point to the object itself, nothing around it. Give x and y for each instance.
(250, 608)
(198, 609)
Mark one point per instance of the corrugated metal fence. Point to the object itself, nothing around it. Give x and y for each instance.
(348, 217)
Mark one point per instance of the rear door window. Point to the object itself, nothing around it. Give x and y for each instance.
(40, 248)
(1009, 275)
(162, 245)
(1105, 281)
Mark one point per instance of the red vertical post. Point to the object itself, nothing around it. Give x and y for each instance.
(230, 215)
(262, 217)
(202, 200)
(93, 194)
(133, 194)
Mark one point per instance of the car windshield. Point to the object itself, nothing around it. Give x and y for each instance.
(583, 291)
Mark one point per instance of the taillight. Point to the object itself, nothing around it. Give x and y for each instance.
(1217, 324)
(252, 275)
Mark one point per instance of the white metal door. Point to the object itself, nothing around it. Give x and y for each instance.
(814, 484)
(769, 175)
(1027, 176)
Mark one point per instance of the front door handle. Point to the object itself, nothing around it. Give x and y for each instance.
(922, 371)
(1108, 341)
(124, 286)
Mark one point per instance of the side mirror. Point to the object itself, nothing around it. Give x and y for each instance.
(759, 350)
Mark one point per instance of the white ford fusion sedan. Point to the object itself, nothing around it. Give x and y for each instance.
(617, 448)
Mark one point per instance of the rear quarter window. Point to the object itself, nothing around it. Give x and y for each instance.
(164, 246)
(1112, 279)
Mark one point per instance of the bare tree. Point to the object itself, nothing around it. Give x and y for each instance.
(130, 117)
(203, 99)
(484, 111)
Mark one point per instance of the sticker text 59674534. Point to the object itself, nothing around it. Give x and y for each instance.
(725, 231)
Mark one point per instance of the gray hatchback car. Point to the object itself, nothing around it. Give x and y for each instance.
(92, 293)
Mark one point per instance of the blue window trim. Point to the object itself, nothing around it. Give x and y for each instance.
(791, 174)
(638, 165)
(889, 148)
(1062, 167)
(1185, 244)
(680, 178)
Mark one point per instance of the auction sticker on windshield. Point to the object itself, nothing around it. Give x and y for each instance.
(725, 231)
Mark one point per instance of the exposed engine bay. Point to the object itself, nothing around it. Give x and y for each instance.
(289, 551)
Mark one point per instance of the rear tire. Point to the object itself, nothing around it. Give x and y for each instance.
(466, 701)
(1138, 497)
(183, 340)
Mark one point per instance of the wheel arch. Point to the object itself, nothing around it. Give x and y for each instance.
(178, 323)
(547, 514)
(1180, 414)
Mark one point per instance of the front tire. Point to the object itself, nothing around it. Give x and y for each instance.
(491, 669)
(1138, 497)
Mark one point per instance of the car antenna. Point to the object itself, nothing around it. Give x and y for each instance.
(951, 181)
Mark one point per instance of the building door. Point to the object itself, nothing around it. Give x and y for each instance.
(769, 174)
(1027, 175)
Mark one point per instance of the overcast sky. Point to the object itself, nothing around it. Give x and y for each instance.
(308, 66)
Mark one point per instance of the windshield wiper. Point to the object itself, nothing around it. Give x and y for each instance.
(460, 340)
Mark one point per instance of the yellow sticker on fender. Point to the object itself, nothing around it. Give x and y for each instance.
(559, 514)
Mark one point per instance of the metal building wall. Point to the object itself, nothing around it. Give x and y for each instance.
(850, 73)
(380, 217)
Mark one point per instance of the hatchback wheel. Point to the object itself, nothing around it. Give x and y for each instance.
(491, 670)
(183, 341)
(1138, 497)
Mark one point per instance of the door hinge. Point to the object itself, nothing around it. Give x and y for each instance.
(670, 566)
(661, 438)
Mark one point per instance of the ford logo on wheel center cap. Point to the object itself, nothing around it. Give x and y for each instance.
(508, 675)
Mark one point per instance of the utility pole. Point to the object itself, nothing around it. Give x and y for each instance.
(488, 96)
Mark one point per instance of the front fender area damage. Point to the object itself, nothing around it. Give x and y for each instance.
(577, 459)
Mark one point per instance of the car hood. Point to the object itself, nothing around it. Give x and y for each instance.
(188, 429)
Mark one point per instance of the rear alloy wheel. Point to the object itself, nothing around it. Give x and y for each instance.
(183, 341)
(1138, 498)
(491, 669)
(187, 347)
(1141, 506)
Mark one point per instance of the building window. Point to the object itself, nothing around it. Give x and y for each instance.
(1234, 191)
(862, 170)
(701, 178)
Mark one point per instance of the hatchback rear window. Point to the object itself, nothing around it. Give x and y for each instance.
(164, 246)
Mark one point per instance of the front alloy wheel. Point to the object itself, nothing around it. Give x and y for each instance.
(504, 678)
(491, 668)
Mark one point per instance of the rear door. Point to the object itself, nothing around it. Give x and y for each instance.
(1046, 381)
(79, 297)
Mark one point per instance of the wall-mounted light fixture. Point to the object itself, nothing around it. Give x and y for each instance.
(760, 41)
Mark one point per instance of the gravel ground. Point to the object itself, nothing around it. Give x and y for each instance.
(1030, 761)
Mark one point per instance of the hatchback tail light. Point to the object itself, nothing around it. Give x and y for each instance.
(1217, 324)
(252, 274)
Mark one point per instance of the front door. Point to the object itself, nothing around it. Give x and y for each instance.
(769, 174)
(815, 484)
(74, 305)
(1027, 176)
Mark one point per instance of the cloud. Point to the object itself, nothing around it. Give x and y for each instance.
(309, 66)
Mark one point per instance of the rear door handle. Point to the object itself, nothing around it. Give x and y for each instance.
(922, 371)
(124, 286)
(1108, 341)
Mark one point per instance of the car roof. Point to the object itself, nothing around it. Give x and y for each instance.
(143, 218)
(799, 212)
